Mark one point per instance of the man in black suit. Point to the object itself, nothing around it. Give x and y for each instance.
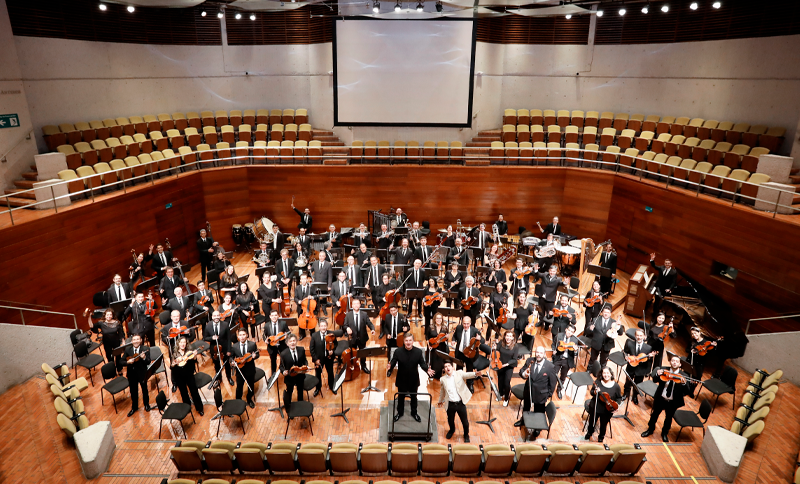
(403, 254)
(284, 269)
(333, 237)
(393, 325)
(521, 284)
(423, 252)
(361, 236)
(461, 337)
(292, 356)
(465, 292)
(407, 359)
(263, 255)
(415, 279)
(356, 324)
(168, 284)
(205, 248)
(246, 372)
(550, 283)
(353, 272)
(483, 239)
(278, 240)
(137, 372)
(599, 331)
(304, 240)
(203, 300)
(176, 322)
(502, 225)
(301, 293)
(635, 348)
(540, 383)
(552, 228)
(458, 254)
(399, 218)
(305, 218)
(218, 336)
(563, 361)
(322, 270)
(340, 288)
(667, 279)
(273, 327)
(384, 238)
(321, 356)
(608, 260)
(362, 255)
(180, 303)
(140, 322)
(118, 291)
(560, 323)
(373, 277)
(161, 259)
(668, 398)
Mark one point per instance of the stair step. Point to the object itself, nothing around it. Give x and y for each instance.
(491, 132)
(24, 184)
(31, 175)
(21, 194)
(332, 143)
(33, 168)
(321, 132)
(335, 161)
(794, 179)
(796, 200)
(794, 171)
(477, 162)
(483, 139)
(325, 138)
(335, 150)
(480, 144)
(476, 151)
(20, 202)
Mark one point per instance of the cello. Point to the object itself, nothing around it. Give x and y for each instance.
(342, 312)
(307, 320)
(286, 304)
(351, 364)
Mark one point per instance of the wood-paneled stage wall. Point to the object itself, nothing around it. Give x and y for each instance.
(62, 259)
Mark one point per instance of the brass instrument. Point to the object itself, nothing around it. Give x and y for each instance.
(496, 235)
(509, 252)
(301, 260)
(263, 258)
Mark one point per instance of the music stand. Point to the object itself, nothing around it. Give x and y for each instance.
(270, 383)
(261, 270)
(192, 321)
(242, 279)
(289, 321)
(119, 306)
(486, 289)
(496, 391)
(335, 272)
(444, 356)
(348, 248)
(120, 350)
(381, 254)
(451, 312)
(370, 352)
(686, 366)
(372, 312)
(628, 399)
(526, 259)
(153, 368)
(337, 386)
(399, 268)
(400, 231)
(229, 254)
(418, 294)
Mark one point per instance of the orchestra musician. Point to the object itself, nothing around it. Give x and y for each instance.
(608, 259)
(363, 255)
(499, 298)
(203, 301)
(299, 251)
(304, 240)
(322, 357)
(137, 372)
(247, 372)
(217, 334)
(340, 288)
(591, 312)
(221, 262)
(268, 295)
(458, 254)
(470, 290)
(453, 281)
(278, 241)
(140, 322)
(437, 327)
(322, 270)
(550, 284)
(597, 409)
(521, 315)
(326, 249)
(374, 277)
(449, 238)
(400, 219)
(553, 227)
(168, 284)
(353, 272)
(284, 268)
(502, 225)
(333, 237)
(415, 279)
(422, 252)
(112, 335)
(654, 336)
(482, 238)
(384, 239)
(599, 330)
(262, 256)
(274, 327)
(161, 259)
(183, 375)
(247, 303)
(176, 323)
(229, 281)
(180, 303)
(414, 235)
(521, 284)
(668, 398)
(491, 256)
(506, 346)
(393, 326)
(498, 274)
(695, 359)
(540, 248)
(638, 372)
(356, 323)
(456, 393)
(461, 337)
(560, 323)
(431, 289)
(227, 307)
(407, 359)
(666, 282)
(118, 291)
(301, 293)
(305, 218)
(563, 361)
(403, 254)
(137, 268)
(540, 383)
(293, 355)
(205, 249)
(361, 236)
(387, 285)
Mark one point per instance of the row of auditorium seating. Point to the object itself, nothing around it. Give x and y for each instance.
(88, 131)
(755, 135)
(68, 404)
(759, 395)
(407, 459)
(402, 151)
(358, 481)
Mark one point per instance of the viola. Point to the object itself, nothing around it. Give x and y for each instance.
(609, 402)
(330, 342)
(502, 316)
(560, 313)
(437, 340)
(468, 303)
(150, 305)
(673, 377)
(307, 320)
(242, 360)
(175, 332)
(350, 361)
(564, 346)
(277, 338)
(392, 296)
(521, 273)
(665, 331)
(140, 356)
(591, 301)
(636, 360)
(703, 348)
(432, 298)
(342, 312)
(181, 361)
(530, 329)
(496, 362)
(472, 348)
(296, 370)
(286, 301)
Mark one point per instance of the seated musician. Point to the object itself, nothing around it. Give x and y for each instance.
(521, 316)
(638, 372)
(654, 338)
(403, 254)
(228, 281)
(274, 327)
(502, 225)
(598, 409)
(695, 359)
(321, 356)
(453, 282)
(470, 290)
(246, 374)
(458, 254)
(561, 321)
(462, 336)
(508, 356)
(384, 239)
(217, 335)
(521, 282)
(361, 236)
(564, 360)
(168, 284)
(220, 262)
(543, 247)
(596, 299)
(423, 252)
(180, 302)
(363, 255)
(497, 274)
(498, 299)
(284, 269)
(262, 256)
(304, 240)
(431, 289)
(268, 294)
(353, 272)
(247, 306)
(333, 237)
(301, 293)
(392, 326)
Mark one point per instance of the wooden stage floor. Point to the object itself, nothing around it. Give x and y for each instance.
(34, 449)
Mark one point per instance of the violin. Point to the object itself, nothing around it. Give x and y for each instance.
(468, 303)
(560, 313)
(330, 342)
(521, 273)
(175, 332)
(673, 377)
(275, 339)
(242, 360)
(228, 312)
(703, 348)
(286, 303)
(636, 360)
(606, 400)
(251, 318)
(472, 348)
(591, 301)
(432, 298)
(140, 356)
(564, 346)
(496, 362)
(665, 331)
(502, 316)
(296, 370)
(307, 320)
(437, 340)
(530, 329)
(181, 361)
(150, 305)
(392, 296)
(342, 312)
(203, 300)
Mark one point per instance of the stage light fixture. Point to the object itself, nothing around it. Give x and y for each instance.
(419, 7)
(238, 16)
(397, 7)
(220, 14)
(622, 12)
(568, 16)
(693, 6)
(376, 7)
(665, 8)
(599, 13)
(203, 13)
(252, 16)
(103, 7)
(646, 9)
(131, 9)
(716, 4)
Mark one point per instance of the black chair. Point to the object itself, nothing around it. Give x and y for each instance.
(230, 408)
(113, 384)
(309, 383)
(586, 410)
(648, 387)
(300, 409)
(584, 378)
(618, 358)
(100, 299)
(155, 352)
(173, 411)
(517, 391)
(687, 418)
(86, 360)
(726, 383)
(538, 420)
(78, 335)
(202, 379)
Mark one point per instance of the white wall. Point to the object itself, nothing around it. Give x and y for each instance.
(42, 345)
(770, 352)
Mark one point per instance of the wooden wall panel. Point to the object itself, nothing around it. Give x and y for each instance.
(226, 199)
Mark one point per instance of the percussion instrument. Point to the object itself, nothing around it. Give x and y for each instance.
(238, 233)
(569, 254)
(262, 228)
(249, 234)
(530, 241)
(575, 243)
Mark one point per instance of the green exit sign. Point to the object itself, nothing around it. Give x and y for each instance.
(649, 209)
(168, 206)
(9, 121)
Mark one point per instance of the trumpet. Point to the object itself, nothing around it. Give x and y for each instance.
(496, 235)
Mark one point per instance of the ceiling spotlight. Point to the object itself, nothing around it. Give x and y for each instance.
(131, 9)
(252, 16)
(599, 13)
(397, 7)
(665, 8)
(439, 6)
(419, 7)
(622, 11)
(238, 16)
(203, 13)
(103, 7)
(716, 4)
(220, 14)
(645, 9)
(568, 16)
(693, 6)
(376, 7)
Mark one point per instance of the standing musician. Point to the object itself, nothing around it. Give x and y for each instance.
(403, 254)
(449, 239)
(340, 288)
(387, 285)
(229, 281)
(416, 278)
(176, 323)
(284, 269)
(560, 323)
(458, 254)
(666, 282)
(168, 284)
(374, 278)
(180, 303)
(322, 270)
(422, 252)
(596, 408)
(361, 236)
(326, 249)
(274, 327)
(498, 274)
(182, 365)
(278, 240)
(227, 309)
(414, 234)
(353, 272)
(262, 256)
(654, 338)
(668, 398)
(491, 256)
(522, 318)
(268, 295)
(498, 299)
(453, 281)
(461, 337)
(564, 360)
(608, 259)
(137, 372)
(292, 356)
(470, 290)
(118, 291)
(247, 304)
(217, 333)
(203, 301)
(521, 284)
(220, 262)
(299, 253)
(436, 328)
(333, 237)
(304, 240)
(599, 331)
(205, 248)
(591, 312)
(550, 284)
(407, 359)
(552, 228)
(697, 360)
(136, 268)
(508, 356)
(111, 333)
(305, 218)
(400, 218)
(384, 239)
(502, 225)
(363, 255)
(301, 293)
(540, 383)
(322, 357)
(455, 391)
(140, 322)
(638, 372)
(483, 239)
(356, 324)
(545, 261)
(392, 326)
(431, 289)
(161, 259)
(247, 372)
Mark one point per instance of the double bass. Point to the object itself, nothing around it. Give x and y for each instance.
(308, 320)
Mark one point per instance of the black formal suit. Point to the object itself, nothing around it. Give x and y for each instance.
(539, 385)
(248, 370)
(666, 281)
(223, 341)
(374, 278)
(335, 239)
(674, 400)
(639, 371)
(552, 229)
(168, 285)
(384, 241)
(415, 280)
(609, 261)
(483, 240)
(161, 261)
(183, 305)
(137, 374)
(353, 274)
(601, 344)
(322, 358)
(140, 323)
(337, 292)
(407, 379)
(360, 327)
(560, 323)
(473, 311)
(274, 329)
(563, 361)
(422, 253)
(549, 290)
(300, 294)
(278, 241)
(171, 342)
(502, 227)
(323, 272)
(305, 220)
(287, 268)
(206, 257)
(288, 360)
(403, 255)
(462, 341)
(519, 285)
(270, 256)
(114, 292)
(400, 220)
(362, 258)
(206, 306)
(305, 242)
(461, 252)
(359, 239)
(391, 327)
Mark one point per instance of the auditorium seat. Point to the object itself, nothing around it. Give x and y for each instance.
(734, 134)
(553, 153)
(107, 176)
(276, 131)
(594, 459)
(435, 460)
(171, 160)
(625, 139)
(88, 154)
(548, 117)
(466, 460)
(205, 154)
(590, 152)
(304, 132)
(508, 133)
(262, 131)
(88, 175)
(704, 131)
(621, 121)
(606, 120)
(158, 160)
(250, 457)
(187, 456)
(562, 118)
(650, 122)
(312, 457)
(273, 151)
(118, 150)
(554, 133)
(159, 140)
(224, 152)
(218, 456)
(750, 137)
(635, 122)
(120, 168)
(682, 171)
(607, 136)
(526, 152)
(772, 139)
(72, 135)
(343, 457)
(280, 457)
(181, 123)
(512, 153)
(717, 154)
(628, 459)
(165, 121)
(147, 162)
(275, 116)
(301, 116)
(671, 146)
(259, 152)
(577, 118)
(104, 152)
(356, 151)
(399, 150)
(498, 459)
(194, 120)
(114, 129)
(749, 190)
(74, 159)
(628, 158)
(700, 171)
(654, 165)
(374, 458)
(523, 117)
(206, 119)
(700, 152)
(135, 165)
(384, 151)
(101, 132)
(668, 167)
(589, 135)
(539, 152)
(53, 137)
(523, 133)
(644, 139)
(733, 158)
(187, 154)
(733, 181)
(563, 459)
(241, 152)
(713, 179)
(74, 184)
(86, 131)
(659, 144)
(175, 138)
(287, 152)
(610, 156)
(371, 150)
(151, 123)
(750, 160)
(719, 133)
(536, 117)
(537, 133)
(290, 132)
(677, 127)
(442, 151)
(571, 154)
(690, 130)
(510, 116)
(497, 153)
(413, 151)
(300, 152)
(145, 145)
(530, 459)
(254, 117)
(641, 162)
(404, 460)
(139, 125)
(287, 117)
(753, 431)
(687, 147)
(664, 125)
(210, 135)
(571, 134)
(228, 134)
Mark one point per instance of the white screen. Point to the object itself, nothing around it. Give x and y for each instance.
(403, 71)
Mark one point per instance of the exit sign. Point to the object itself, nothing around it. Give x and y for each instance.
(648, 209)
(9, 121)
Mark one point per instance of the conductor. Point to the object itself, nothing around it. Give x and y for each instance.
(407, 359)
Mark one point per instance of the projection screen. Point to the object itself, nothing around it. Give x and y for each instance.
(403, 72)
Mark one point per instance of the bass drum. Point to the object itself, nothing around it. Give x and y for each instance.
(262, 228)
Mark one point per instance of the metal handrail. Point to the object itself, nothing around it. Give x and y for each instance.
(74, 319)
(747, 328)
(27, 137)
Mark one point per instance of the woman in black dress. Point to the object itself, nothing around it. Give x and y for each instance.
(267, 294)
(229, 281)
(112, 333)
(437, 327)
(220, 262)
(605, 384)
(654, 338)
(453, 280)
(594, 310)
(498, 299)
(183, 376)
(247, 304)
(431, 288)
(497, 274)
(227, 310)
(137, 268)
(509, 357)
(522, 318)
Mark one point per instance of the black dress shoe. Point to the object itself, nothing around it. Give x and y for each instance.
(560, 395)
(230, 382)
(536, 433)
(316, 393)
(174, 389)
(133, 410)
(588, 436)
(417, 417)
(200, 411)
(518, 423)
(647, 433)
(366, 370)
(664, 438)
(450, 434)
(397, 417)
(147, 408)
(466, 439)
(635, 400)
(251, 404)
